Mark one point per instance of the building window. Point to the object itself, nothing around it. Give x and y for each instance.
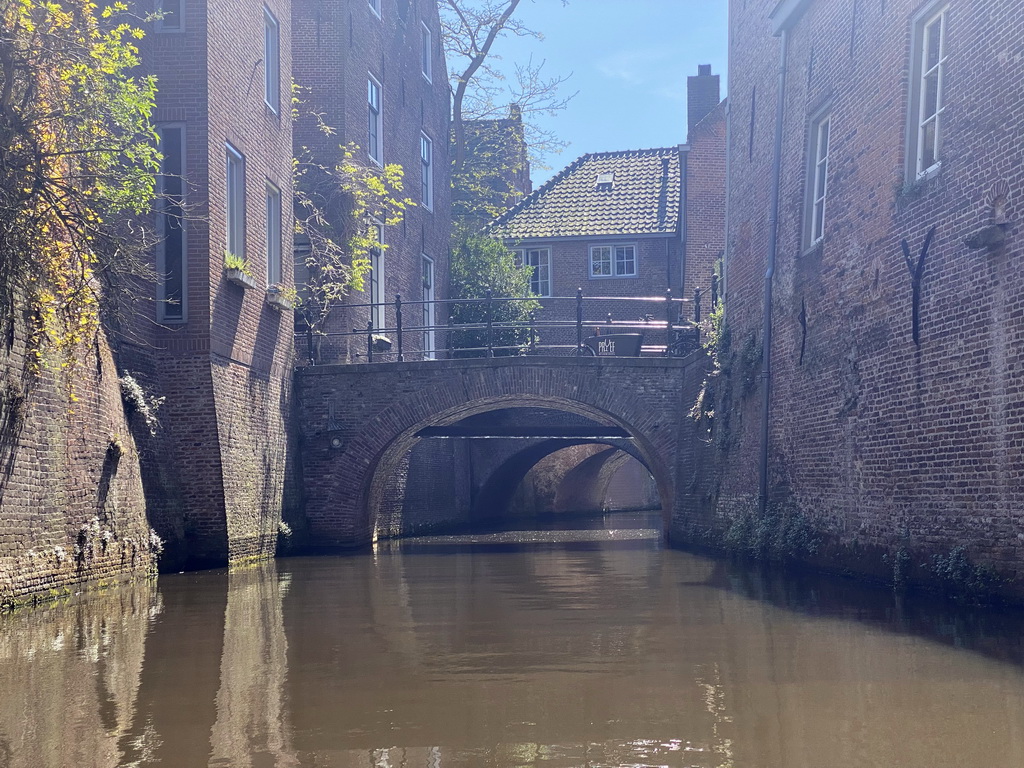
(375, 127)
(235, 203)
(427, 171)
(613, 261)
(927, 96)
(377, 277)
(426, 47)
(375, 7)
(171, 256)
(817, 178)
(539, 261)
(273, 235)
(172, 18)
(271, 61)
(429, 314)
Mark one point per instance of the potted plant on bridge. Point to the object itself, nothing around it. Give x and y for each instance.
(380, 343)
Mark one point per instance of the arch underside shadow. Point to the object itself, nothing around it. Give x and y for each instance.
(579, 486)
(390, 462)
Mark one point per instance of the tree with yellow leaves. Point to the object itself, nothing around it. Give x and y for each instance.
(77, 162)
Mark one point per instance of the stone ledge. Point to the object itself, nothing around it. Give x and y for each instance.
(530, 361)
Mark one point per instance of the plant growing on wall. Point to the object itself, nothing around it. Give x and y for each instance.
(336, 207)
(77, 162)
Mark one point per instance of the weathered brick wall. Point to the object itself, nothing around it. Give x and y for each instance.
(72, 510)
(882, 443)
(344, 41)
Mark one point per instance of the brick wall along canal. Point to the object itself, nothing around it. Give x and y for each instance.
(597, 649)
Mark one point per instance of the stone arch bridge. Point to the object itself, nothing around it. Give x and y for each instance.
(361, 423)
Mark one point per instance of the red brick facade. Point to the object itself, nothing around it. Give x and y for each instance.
(704, 221)
(883, 443)
(217, 471)
(344, 44)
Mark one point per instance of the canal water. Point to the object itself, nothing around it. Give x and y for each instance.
(588, 646)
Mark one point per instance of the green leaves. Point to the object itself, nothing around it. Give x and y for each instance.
(79, 153)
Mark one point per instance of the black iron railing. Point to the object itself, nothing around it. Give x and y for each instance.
(560, 325)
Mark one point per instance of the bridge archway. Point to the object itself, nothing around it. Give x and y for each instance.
(362, 420)
(507, 490)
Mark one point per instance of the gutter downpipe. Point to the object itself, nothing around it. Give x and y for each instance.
(773, 246)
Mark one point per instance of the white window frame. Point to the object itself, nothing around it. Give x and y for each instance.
(377, 296)
(234, 202)
(922, 121)
(375, 7)
(427, 171)
(375, 120)
(610, 253)
(271, 61)
(275, 269)
(168, 200)
(817, 176)
(426, 52)
(538, 260)
(161, 26)
(429, 309)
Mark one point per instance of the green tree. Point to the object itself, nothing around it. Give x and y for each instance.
(481, 264)
(335, 208)
(77, 163)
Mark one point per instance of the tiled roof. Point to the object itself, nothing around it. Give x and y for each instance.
(642, 198)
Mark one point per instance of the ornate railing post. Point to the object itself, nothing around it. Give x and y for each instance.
(490, 323)
(533, 332)
(369, 340)
(309, 345)
(669, 322)
(714, 292)
(398, 325)
(696, 305)
(579, 321)
(450, 340)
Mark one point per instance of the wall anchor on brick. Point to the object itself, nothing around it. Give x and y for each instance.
(916, 273)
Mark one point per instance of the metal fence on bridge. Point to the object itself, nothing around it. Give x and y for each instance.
(555, 325)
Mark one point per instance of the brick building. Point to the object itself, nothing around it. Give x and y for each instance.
(630, 223)
(374, 71)
(497, 170)
(896, 398)
(215, 346)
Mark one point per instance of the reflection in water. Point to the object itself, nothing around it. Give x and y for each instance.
(69, 678)
(590, 651)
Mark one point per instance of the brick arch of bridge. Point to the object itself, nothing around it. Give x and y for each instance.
(386, 405)
(584, 488)
(491, 500)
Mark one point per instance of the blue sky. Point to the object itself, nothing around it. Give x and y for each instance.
(629, 61)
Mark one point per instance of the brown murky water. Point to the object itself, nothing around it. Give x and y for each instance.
(593, 649)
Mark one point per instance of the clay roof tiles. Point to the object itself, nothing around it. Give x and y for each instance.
(643, 197)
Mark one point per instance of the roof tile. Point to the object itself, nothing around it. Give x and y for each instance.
(642, 198)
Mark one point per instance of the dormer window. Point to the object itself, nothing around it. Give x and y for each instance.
(605, 182)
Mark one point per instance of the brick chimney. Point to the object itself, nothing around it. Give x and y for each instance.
(703, 94)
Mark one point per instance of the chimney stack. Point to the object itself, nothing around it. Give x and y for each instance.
(703, 94)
